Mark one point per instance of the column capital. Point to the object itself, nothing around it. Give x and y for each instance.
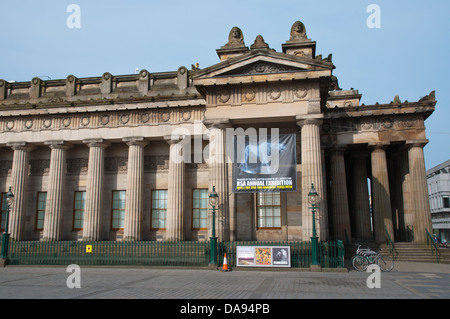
(58, 144)
(96, 142)
(24, 146)
(416, 143)
(217, 123)
(316, 119)
(135, 140)
(174, 139)
(375, 146)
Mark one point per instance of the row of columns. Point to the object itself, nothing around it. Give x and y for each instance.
(53, 214)
(94, 189)
(313, 171)
(413, 194)
(134, 190)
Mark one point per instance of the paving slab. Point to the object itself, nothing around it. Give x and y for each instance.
(406, 281)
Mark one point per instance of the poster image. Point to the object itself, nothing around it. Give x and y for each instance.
(263, 256)
(246, 256)
(280, 256)
(265, 164)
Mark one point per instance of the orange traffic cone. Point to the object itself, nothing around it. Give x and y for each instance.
(225, 263)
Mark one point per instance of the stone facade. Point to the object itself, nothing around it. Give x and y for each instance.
(122, 133)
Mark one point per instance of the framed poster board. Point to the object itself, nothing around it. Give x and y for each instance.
(263, 256)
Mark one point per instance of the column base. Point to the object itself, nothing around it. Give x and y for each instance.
(213, 266)
(89, 239)
(316, 268)
(131, 239)
(3, 262)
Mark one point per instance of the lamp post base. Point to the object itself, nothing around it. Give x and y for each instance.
(213, 252)
(315, 251)
(4, 249)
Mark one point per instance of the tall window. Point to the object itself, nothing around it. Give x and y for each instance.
(159, 208)
(269, 210)
(40, 210)
(4, 209)
(118, 210)
(200, 209)
(78, 210)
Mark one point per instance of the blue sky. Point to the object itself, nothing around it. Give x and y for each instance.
(407, 56)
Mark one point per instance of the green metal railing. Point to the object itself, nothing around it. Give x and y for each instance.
(332, 254)
(158, 253)
(145, 253)
(390, 244)
(433, 246)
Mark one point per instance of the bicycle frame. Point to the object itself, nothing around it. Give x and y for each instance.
(371, 257)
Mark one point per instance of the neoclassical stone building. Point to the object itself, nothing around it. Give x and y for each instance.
(92, 158)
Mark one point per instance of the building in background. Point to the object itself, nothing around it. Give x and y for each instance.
(438, 179)
(98, 158)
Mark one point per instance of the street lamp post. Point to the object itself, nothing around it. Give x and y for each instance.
(312, 198)
(5, 235)
(213, 201)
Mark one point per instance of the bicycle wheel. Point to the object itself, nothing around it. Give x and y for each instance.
(360, 263)
(385, 263)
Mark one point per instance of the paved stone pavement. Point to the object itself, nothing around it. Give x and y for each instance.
(407, 280)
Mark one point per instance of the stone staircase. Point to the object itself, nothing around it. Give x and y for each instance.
(413, 252)
(409, 252)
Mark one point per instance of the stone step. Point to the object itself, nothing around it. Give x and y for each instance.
(419, 253)
(411, 252)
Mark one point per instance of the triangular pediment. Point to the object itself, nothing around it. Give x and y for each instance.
(267, 63)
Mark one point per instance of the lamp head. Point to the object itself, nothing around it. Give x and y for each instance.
(213, 197)
(9, 197)
(313, 196)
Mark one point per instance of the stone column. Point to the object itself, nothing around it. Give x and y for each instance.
(94, 190)
(19, 177)
(419, 191)
(135, 189)
(339, 198)
(360, 197)
(232, 205)
(312, 172)
(408, 206)
(218, 175)
(175, 196)
(381, 198)
(53, 226)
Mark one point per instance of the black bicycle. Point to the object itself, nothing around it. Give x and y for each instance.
(364, 257)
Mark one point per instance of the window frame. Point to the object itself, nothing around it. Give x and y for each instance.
(280, 206)
(152, 209)
(75, 210)
(113, 210)
(37, 219)
(200, 208)
(445, 201)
